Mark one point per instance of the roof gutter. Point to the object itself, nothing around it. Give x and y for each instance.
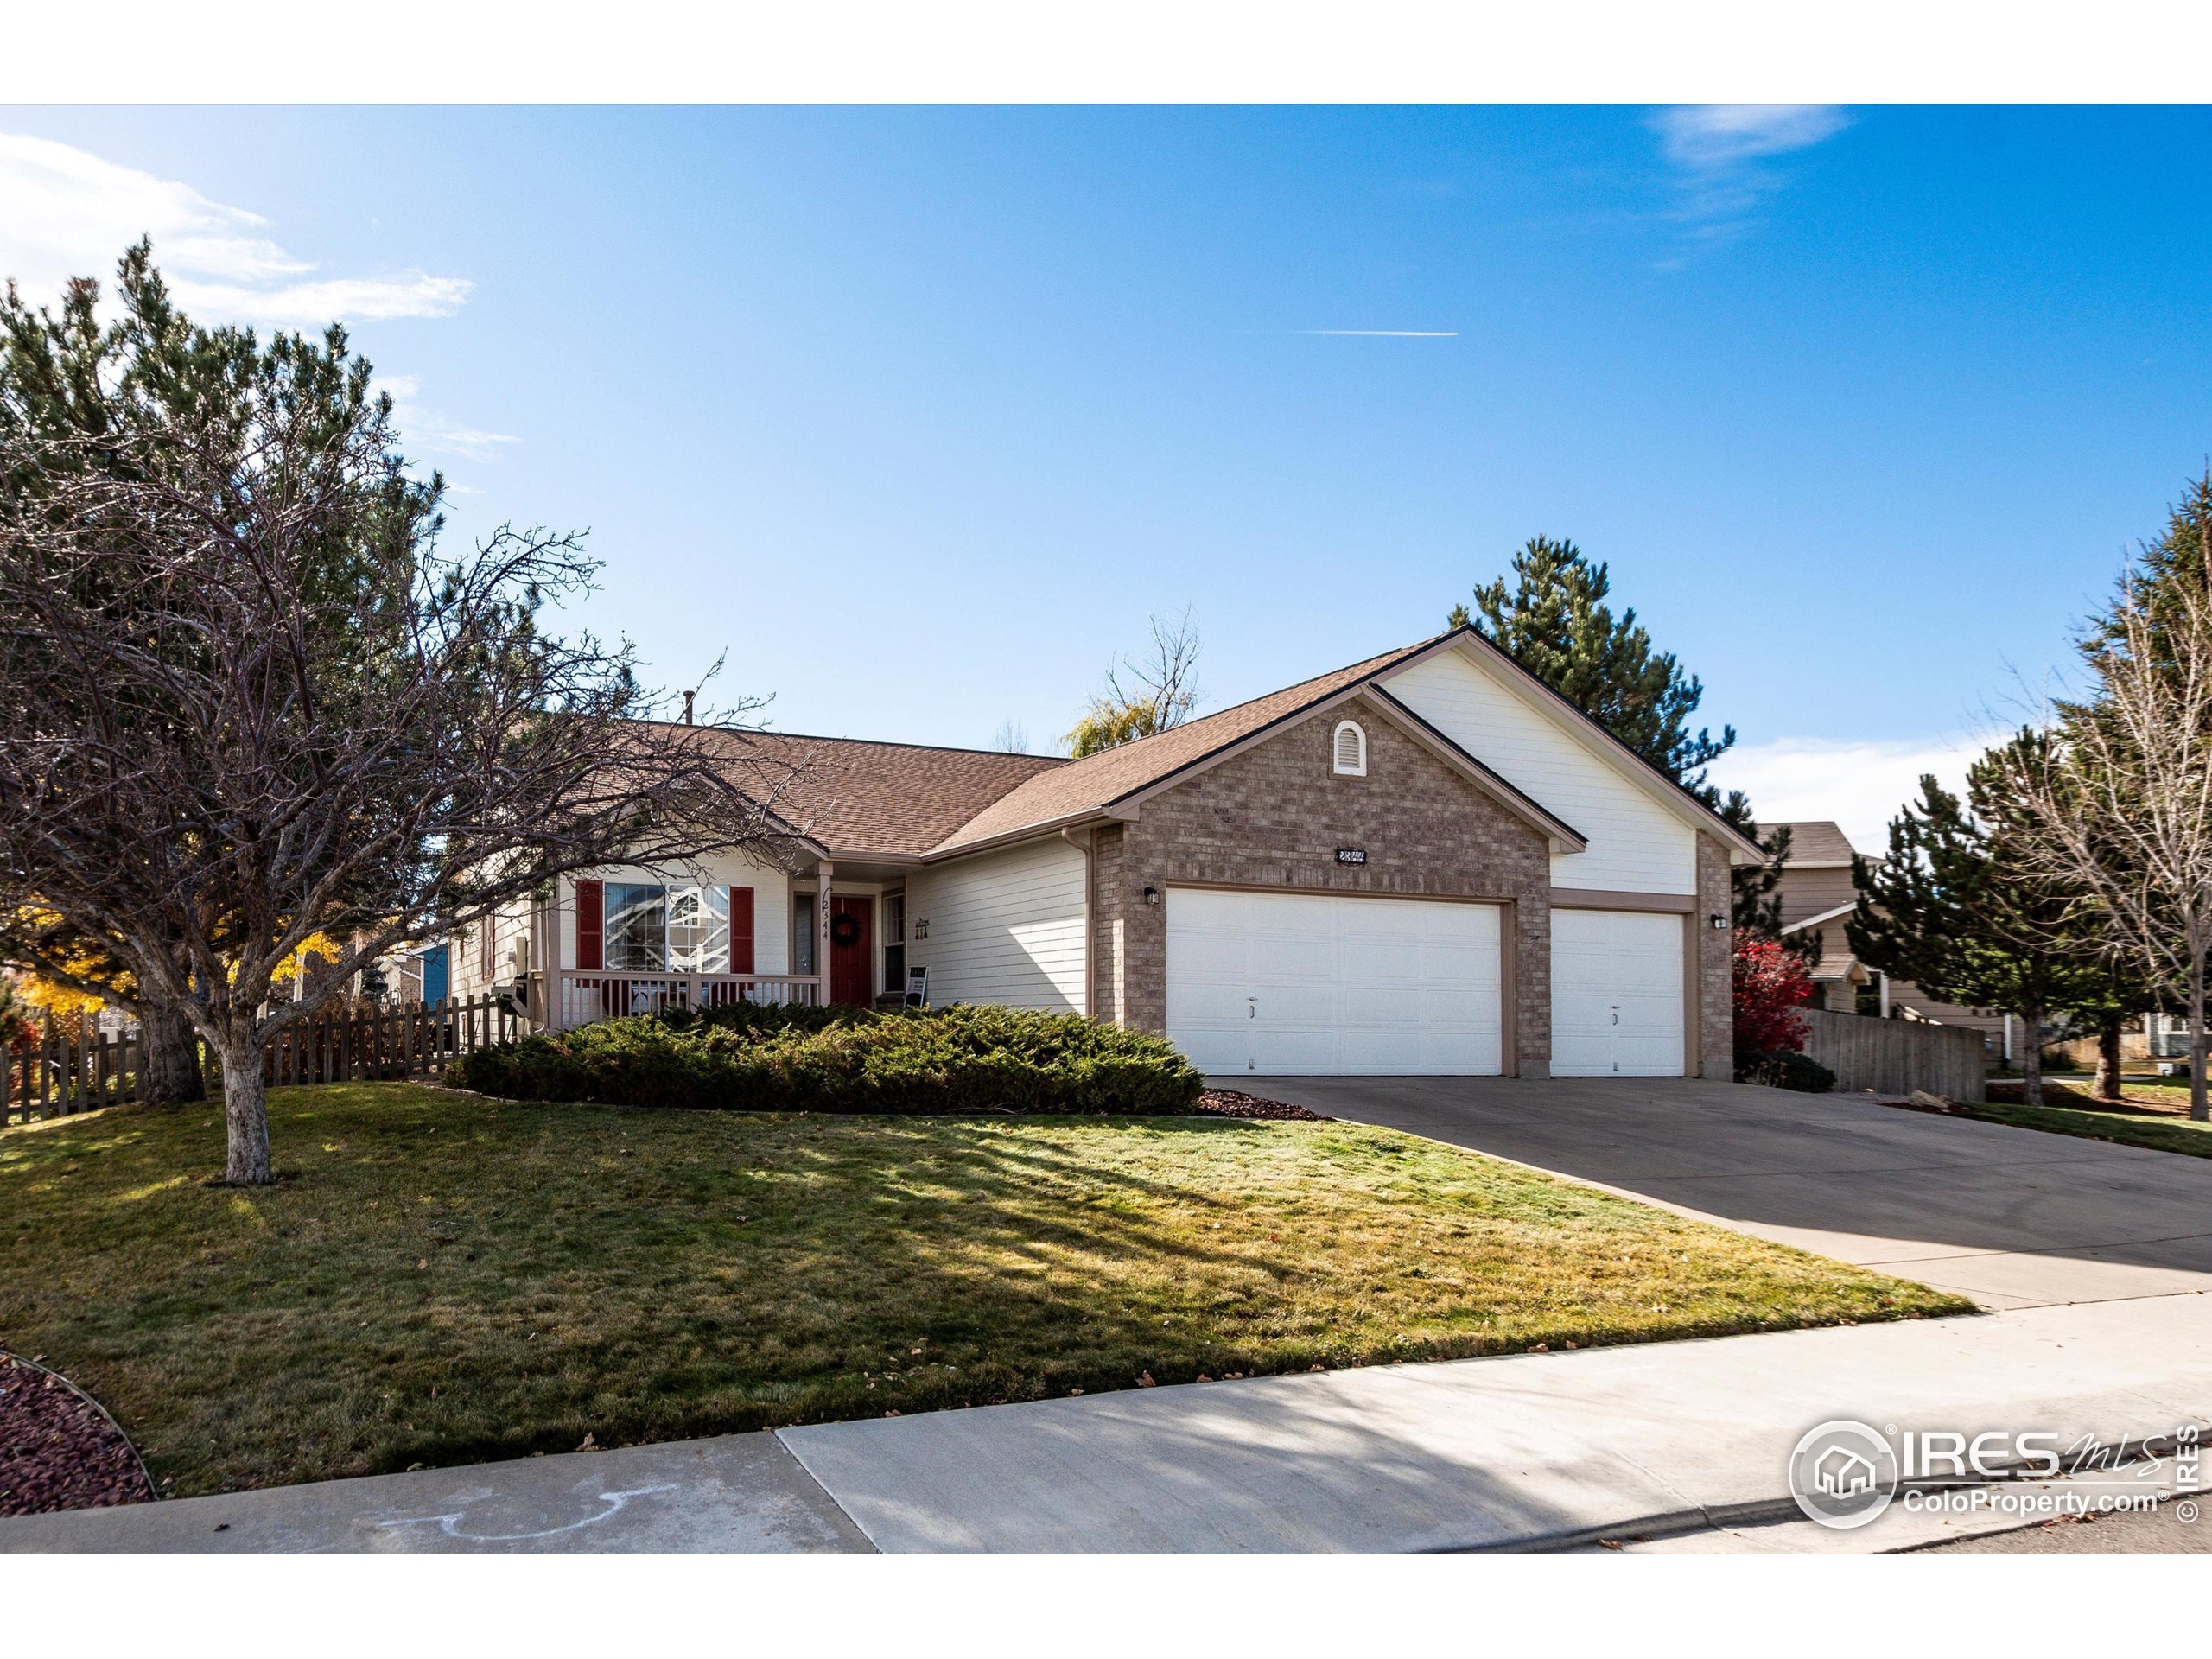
(1113, 813)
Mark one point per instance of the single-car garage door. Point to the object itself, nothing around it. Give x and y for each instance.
(1617, 994)
(1311, 985)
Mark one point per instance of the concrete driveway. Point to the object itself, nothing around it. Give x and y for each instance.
(2010, 1218)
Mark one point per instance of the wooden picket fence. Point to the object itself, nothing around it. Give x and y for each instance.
(71, 1067)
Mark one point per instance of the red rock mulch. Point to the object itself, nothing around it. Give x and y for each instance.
(1230, 1102)
(58, 1451)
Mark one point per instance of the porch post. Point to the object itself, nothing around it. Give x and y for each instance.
(822, 934)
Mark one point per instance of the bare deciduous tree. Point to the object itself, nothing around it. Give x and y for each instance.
(244, 699)
(2122, 810)
(1162, 693)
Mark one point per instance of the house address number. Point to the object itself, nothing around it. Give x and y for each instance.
(1351, 855)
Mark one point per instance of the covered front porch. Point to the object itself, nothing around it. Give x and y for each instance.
(640, 941)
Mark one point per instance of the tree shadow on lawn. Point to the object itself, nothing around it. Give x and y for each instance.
(451, 1278)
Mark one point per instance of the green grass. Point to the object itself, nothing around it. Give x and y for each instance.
(440, 1278)
(2158, 1132)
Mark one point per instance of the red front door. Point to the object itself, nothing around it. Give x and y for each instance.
(851, 965)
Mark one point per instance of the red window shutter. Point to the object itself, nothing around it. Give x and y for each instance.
(740, 930)
(591, 924)
(488, 950)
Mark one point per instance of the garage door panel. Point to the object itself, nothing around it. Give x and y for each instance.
(1375, 1051)
(1292, 1052)
(1617, 994)
(1213, 1002)
(1333, 985)
(1375, 962)
(1473, 1056)
(1208, 961)
(1469, 1009)
(1214, 1050)
(1296, 1005)
(1649, 1057)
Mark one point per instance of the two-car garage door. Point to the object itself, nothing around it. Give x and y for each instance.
(1317, 985)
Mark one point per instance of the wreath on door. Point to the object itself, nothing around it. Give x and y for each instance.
(844, 929)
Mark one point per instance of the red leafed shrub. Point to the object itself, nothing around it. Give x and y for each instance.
(1770, 985)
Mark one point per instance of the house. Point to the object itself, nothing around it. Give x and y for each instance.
(1817, 896)
(1425, 862)
(1840, 1472)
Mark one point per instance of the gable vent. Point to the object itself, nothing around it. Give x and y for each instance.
(1351, 750)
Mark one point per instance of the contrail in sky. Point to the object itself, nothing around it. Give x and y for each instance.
(1390, 334)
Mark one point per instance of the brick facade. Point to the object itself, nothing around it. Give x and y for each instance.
(1272, 818)
(1715, 1028)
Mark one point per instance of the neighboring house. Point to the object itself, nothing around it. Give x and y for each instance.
(1817, 896)
(1427, 862)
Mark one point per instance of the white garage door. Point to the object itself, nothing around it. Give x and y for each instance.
(1305, 985)
(1617, 994)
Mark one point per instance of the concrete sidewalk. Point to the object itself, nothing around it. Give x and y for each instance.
(742, 1494)
(1528, 1451)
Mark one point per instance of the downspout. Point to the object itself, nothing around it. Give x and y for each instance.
(1089, 927)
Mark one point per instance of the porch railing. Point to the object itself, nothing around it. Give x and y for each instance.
(582, 995)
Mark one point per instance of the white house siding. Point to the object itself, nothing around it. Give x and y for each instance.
(1636, 845)
(467, 954)
(1004, 927)
(771, 903)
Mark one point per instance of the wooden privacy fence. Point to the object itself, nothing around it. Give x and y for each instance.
(66, 1070)
(1895, 1057)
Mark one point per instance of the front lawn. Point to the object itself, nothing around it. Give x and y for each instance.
(2159, 1129)
(440, 1278)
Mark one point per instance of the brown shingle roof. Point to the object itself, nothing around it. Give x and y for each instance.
(904, 800)
(894, 799)
(1814, 843)
(1097, 781)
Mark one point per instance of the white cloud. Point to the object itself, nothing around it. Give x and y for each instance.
(424, 431)
(66, 212)
(1706, 136)
(1858, 784)
(1717, 151)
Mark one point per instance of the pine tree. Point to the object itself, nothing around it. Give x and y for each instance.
(1956, 909)
(2177, 558)
(1554, 620)
(1555, 623)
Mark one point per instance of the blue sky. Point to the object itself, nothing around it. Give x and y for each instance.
(918, 414)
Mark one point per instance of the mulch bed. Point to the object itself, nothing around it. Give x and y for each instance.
(1230, 1102)
(58, 1451)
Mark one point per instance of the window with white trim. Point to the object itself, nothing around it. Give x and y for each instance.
(1351, 750)
(652, 928)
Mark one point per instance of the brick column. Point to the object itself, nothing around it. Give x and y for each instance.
(1716, 1027)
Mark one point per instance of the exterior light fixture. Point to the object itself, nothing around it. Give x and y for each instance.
(1152, 895)
(1719, 923)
